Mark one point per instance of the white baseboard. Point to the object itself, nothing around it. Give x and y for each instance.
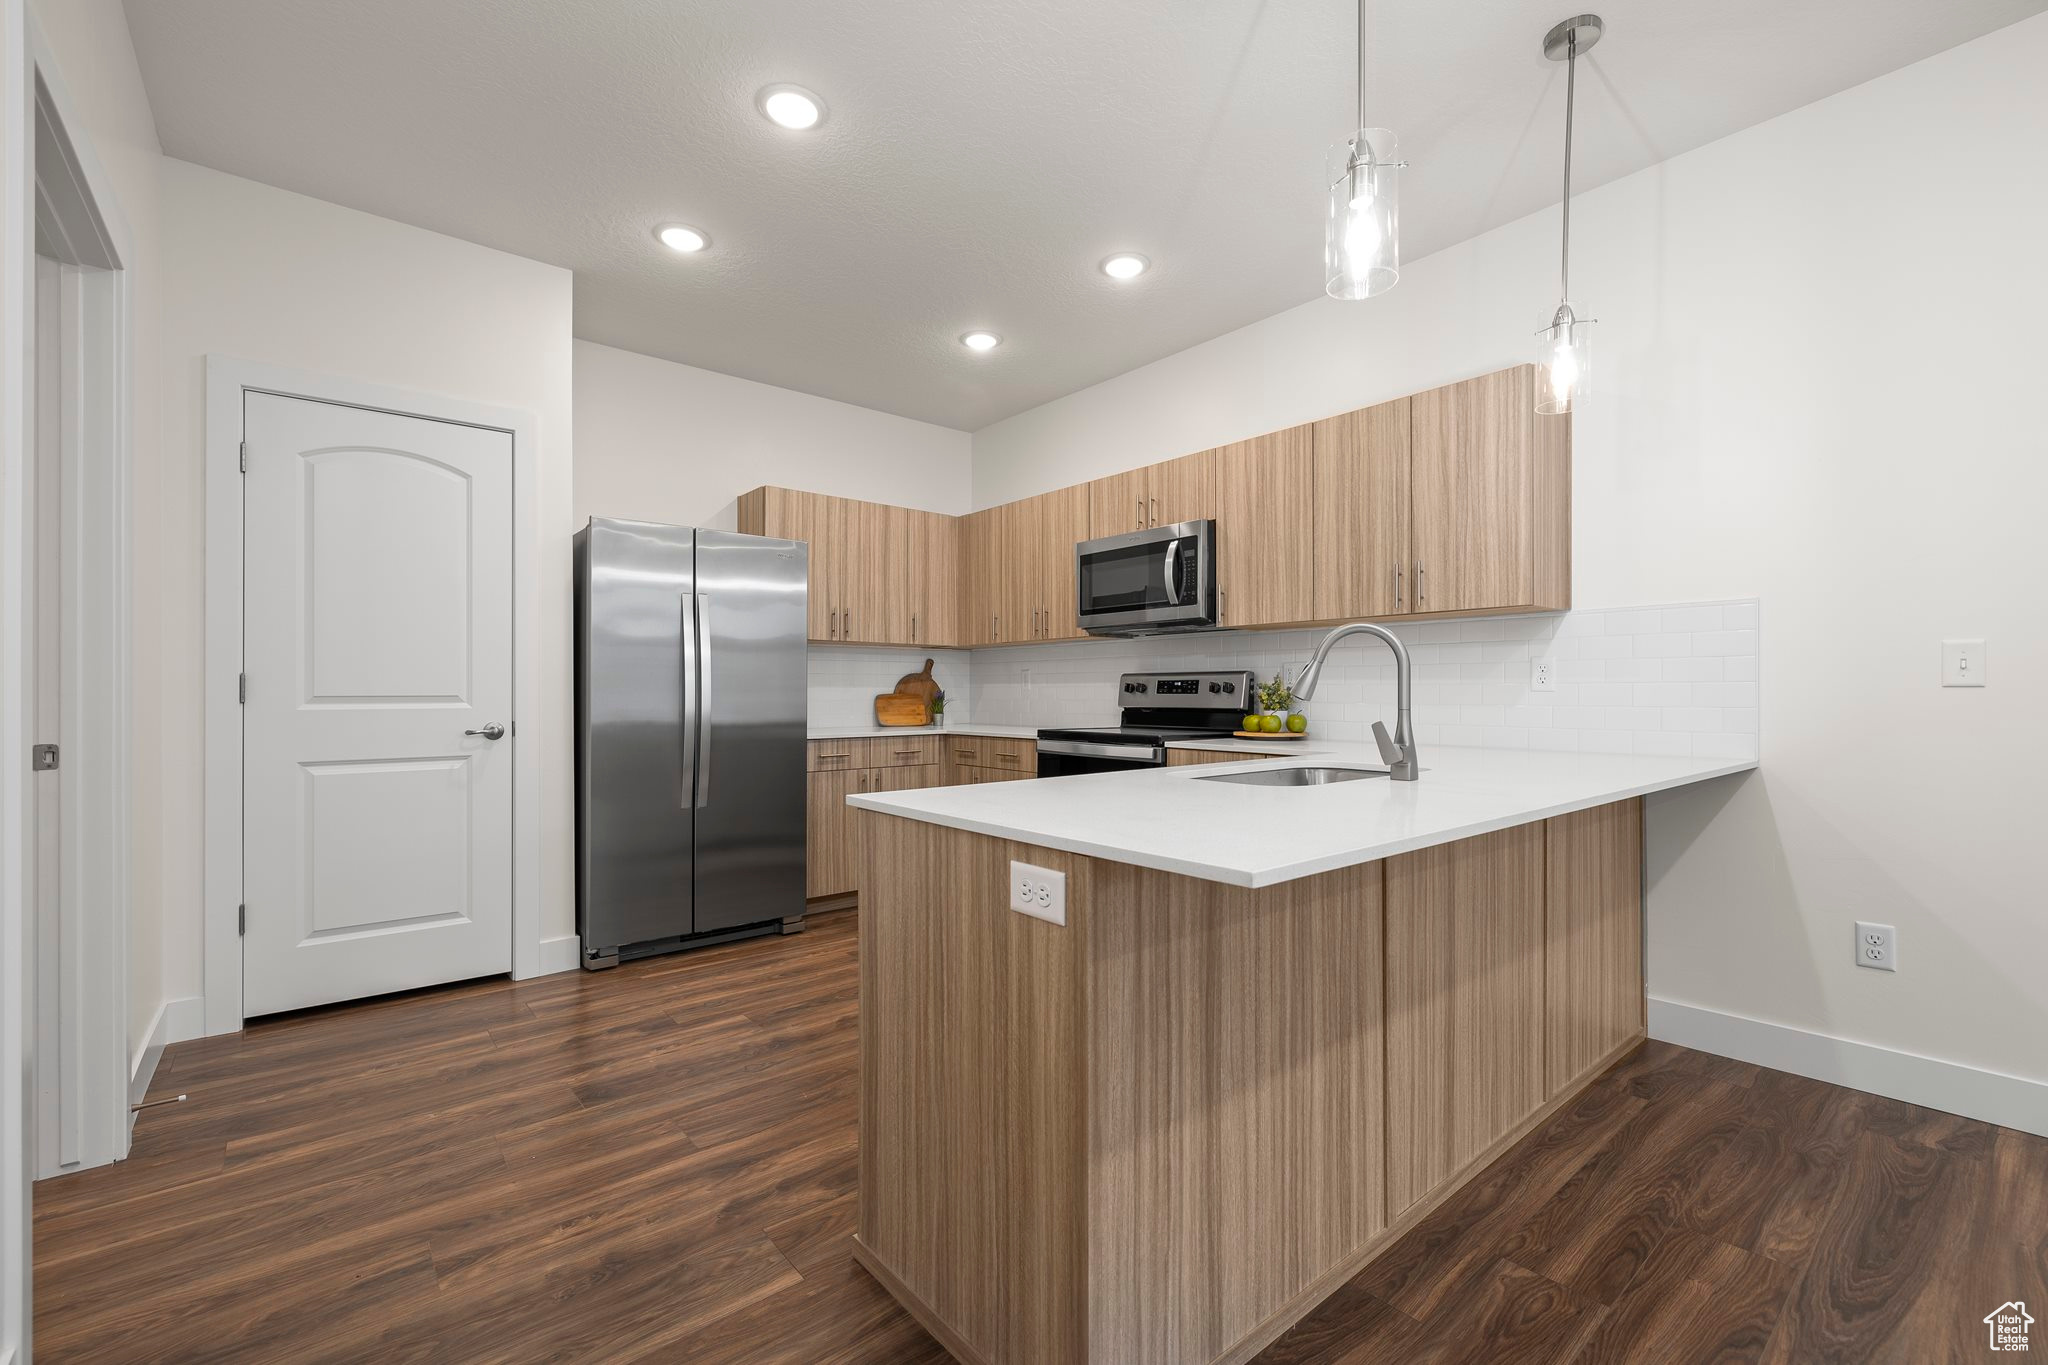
(564, 954)
(2009, 1101)
(176, 1021)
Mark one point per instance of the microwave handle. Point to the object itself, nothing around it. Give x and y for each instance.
(1172, 557)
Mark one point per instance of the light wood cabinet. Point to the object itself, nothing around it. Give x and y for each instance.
(1176, 490)
(839, 768)
(1265, 528)
(1362, 565)
(1490, 497)
(1593, 931)
(1450, 502)
(1465, 1012)
(988, 758)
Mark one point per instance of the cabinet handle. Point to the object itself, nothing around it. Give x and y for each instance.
(993, 632)
(1223, 612)
(1155, 511)
(1141, 516)
(1397, 587)
(833, 632)
(1421, 585)
(913, 627)
(848, 623)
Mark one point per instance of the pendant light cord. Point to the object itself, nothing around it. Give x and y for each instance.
(1571, 75)
(1361, 64)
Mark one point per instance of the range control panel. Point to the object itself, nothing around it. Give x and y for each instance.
(1211, 691)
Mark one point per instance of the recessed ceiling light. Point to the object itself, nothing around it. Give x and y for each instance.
(791, 107)
(980, 341)
(681, 237)
(1125, 265)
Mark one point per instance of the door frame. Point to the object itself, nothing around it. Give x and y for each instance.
(77, 210)
(227, 379)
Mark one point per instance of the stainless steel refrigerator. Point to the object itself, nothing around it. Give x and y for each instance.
(690, 696)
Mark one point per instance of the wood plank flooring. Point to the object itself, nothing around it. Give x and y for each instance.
(658, 1163)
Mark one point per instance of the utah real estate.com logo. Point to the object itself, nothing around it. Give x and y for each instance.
(2008, 1326)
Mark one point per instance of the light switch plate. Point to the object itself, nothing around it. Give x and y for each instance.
(1964, 663)
(1039, 892)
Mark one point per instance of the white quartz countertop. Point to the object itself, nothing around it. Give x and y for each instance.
(1172, 820)
(886, 731)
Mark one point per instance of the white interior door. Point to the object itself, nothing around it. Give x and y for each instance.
(377, 821)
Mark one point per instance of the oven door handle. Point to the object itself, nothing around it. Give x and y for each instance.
(1137, 755)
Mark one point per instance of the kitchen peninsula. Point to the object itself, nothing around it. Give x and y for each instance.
(1268, 1030)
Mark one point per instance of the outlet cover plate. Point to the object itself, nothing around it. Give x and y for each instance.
(1877, 946)
(1039, 892)
(1542, 675)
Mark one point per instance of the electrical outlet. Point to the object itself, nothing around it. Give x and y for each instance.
(1542, 675)
(1877, 946)
(1039, 892)
(1964, 664)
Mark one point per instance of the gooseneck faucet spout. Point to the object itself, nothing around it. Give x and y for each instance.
(1398, 751)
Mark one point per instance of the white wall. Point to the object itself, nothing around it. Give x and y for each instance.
(88, 40)
(658, 441)
(1819, 369)
(265, 275)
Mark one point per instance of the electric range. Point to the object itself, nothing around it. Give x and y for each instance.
(1157, 708)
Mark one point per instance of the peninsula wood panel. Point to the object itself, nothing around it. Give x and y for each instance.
(1265, 528)
(972, 1151)
(1363, 566)
(1465, 1012)
(1593, 956)
(1234, 1090)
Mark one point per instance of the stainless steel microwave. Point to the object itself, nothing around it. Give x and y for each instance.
(1148, 582)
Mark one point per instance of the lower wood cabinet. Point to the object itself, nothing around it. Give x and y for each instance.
(1593, 932)
(840, 768)
(1181, 758)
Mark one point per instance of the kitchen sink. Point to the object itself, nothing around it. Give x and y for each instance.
(1294, 777)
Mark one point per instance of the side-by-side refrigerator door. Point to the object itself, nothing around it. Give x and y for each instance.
(636, 693)
(750, 758)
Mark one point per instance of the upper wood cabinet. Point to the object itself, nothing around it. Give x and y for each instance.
(1454, 501)
(1156, 495)
(1490, 493)
(878, 574)
(1265, 528)
(1362, 565)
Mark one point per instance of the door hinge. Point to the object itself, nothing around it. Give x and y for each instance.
(43, 758)
(242, 687)
(241, 920)
(245, 457)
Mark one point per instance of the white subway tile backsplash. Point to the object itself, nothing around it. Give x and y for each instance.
(1679, 678)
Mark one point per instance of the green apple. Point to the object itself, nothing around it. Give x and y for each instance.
(1250, 723)
(1269, 724)
(1298, 723)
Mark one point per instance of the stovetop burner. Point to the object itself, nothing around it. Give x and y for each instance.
(1160, 707)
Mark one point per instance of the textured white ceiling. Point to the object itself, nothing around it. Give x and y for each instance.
(980, 156)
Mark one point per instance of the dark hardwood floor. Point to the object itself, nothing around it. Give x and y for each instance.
(657, 1163)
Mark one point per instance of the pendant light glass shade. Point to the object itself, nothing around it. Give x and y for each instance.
(1362, 233)
(1564, 361)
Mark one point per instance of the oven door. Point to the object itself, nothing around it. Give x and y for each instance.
(1145, 582)
(1068, 757)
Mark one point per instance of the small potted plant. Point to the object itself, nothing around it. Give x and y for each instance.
(939, 708)
(1276, 702)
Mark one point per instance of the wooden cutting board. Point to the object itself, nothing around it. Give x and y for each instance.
(911, 702)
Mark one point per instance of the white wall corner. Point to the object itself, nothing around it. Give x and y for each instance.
(563, 954)
(1993, 1097)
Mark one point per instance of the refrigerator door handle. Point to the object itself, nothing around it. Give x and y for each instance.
(703, 629)
(692, 703)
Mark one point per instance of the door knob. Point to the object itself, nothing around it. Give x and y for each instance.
(491, 731)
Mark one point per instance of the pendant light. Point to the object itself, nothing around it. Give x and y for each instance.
(1564, 348)
(1362, 236)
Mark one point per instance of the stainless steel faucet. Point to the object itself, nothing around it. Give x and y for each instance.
(1398, 751)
